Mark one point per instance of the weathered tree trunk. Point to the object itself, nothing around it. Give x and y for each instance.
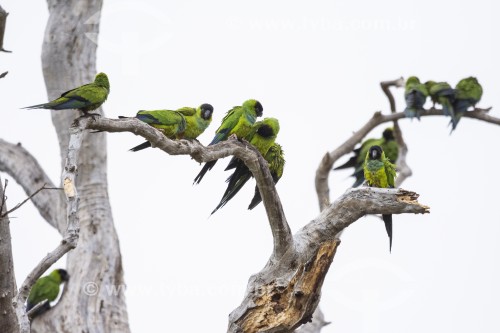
(8, 318)
(95, 267)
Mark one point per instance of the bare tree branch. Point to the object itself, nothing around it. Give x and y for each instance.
(68, 243)
(35, 309)
(27, 172)
(3, 21)
(70, 239)
(285, 294)
(19, 205)
(8, 319)
(292, 283)
(326, 164)
(247, 153)
(404, 170)
(385, 85)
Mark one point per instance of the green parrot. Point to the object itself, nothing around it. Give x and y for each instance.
(388, 144)
(415, 95)
(238, 121)
(46, 288)
(468, 93)
(380, 172)
(442, 93)
(275, 158)
(183, 123)
(262, 136)
(84, 98)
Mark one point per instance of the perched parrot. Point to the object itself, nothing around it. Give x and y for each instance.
(442, 93)
(262, 136)
(468, 93)
(275, 158)
(183, 123)
(388, 144)
(415, 95)
(46, 288)
(380, 172)
(238, 121)
(84, 98)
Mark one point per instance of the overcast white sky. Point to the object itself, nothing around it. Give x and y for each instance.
(316, 66)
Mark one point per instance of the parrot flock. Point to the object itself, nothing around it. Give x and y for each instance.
(454, 101)
(374, 161)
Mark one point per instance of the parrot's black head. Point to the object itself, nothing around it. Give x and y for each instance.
(375, 153)
(63, 274)
(388, 134)
(258, 109)
(265, 131)
(206, 111)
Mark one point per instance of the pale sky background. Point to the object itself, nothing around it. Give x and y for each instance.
(316, 66)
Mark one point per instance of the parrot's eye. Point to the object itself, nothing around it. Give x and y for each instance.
(258, 109)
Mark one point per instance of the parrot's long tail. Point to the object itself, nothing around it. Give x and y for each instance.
(239, 178)
(142, 146)
(388, 227)
(204, 170)
(257, 199)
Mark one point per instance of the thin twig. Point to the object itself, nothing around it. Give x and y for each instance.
(3, 74)
(24, 168)
(28, 198)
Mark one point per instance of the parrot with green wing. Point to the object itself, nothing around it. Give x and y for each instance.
(84, 98)
(442, 93)
(388, 144)
(275, 158)
(415, 95)
(468, 93)
(262, 136)
(380, 172)
(239, 121)
(46, 288)
(184, 123)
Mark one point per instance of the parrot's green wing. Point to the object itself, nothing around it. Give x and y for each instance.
(390, 171)
(187, 111)
(415, 95)
(275, 158)
(264, 135)
(44, 288)
(172, 122)
(468, 94)
(87, 97)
